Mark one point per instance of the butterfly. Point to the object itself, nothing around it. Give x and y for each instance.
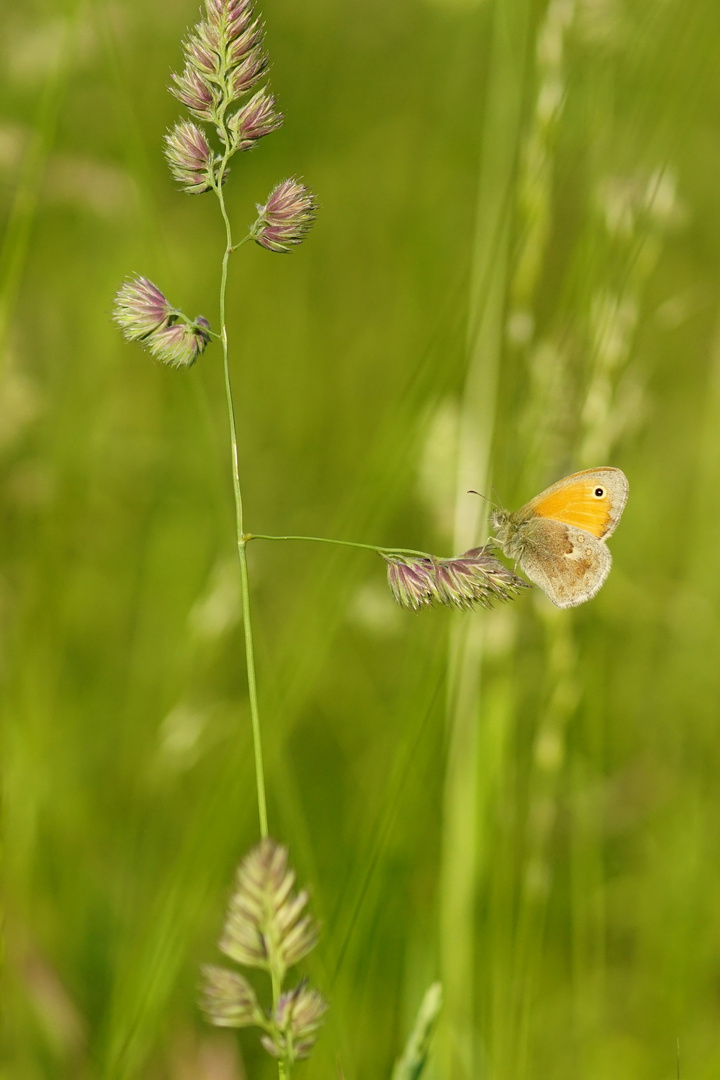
(558, 538)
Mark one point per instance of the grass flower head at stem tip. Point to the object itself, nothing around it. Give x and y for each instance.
(266, 928)
(474, 579)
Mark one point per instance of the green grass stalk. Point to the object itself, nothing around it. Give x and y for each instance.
(239, 528)
(344, 543)
(463, 841)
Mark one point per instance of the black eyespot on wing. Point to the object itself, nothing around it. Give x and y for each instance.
(599, 492)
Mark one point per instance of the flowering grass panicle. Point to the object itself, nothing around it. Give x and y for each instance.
(144, 314)
(465, 581)
(265, 925)
(224, 61)
(266, 928)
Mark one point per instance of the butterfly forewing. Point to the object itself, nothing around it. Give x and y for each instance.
(573, 500)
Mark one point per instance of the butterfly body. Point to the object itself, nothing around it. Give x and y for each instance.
(558, 538)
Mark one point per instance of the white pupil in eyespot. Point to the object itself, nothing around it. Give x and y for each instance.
(599, 492)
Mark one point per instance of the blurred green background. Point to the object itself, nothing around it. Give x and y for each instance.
(515, 273)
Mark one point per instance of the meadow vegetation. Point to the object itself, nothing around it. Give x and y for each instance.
(514, 273)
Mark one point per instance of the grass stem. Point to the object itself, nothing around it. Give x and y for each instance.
(241, 538)
(343, 543)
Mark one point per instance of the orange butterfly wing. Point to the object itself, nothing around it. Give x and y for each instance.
(573, 502)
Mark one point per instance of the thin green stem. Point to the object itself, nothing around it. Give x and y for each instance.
(252, 690)
(344, 543)
(284, 1067)
(241, 538)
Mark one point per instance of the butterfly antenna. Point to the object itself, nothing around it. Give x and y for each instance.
(472, 491)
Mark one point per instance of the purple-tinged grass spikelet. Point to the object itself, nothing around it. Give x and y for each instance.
(256, 119)
(466, 581)
(140, 308)
(195, 93)
(286, 217)
(246, 42)
(179, 344)
(248, 73)
(227, 998)
(144, 315)
(298, 1016)
(190, 158)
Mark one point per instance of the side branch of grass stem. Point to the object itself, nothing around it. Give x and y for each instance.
(344, 543)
